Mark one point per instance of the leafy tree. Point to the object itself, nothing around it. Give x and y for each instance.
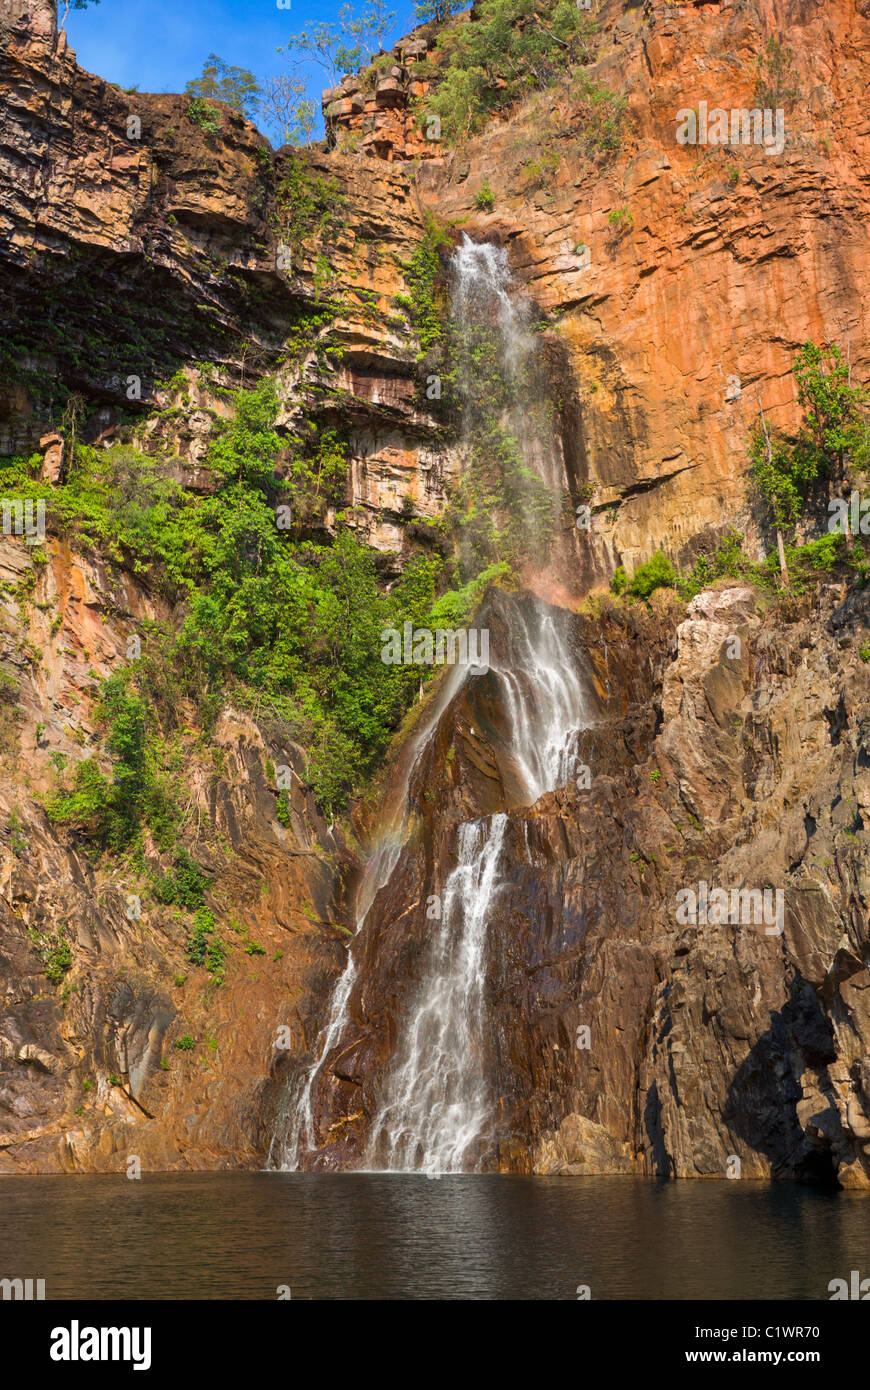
(438, 10)
(221, 81)
(340, 48)
(832, 437)
(287, 110)
(834, 426)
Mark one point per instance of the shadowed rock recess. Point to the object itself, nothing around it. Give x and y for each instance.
(474, 960)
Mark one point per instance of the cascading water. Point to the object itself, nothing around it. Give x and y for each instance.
(297, 1125)
(434, 1105)
(437, 1102)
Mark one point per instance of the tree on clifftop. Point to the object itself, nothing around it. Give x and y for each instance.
(222, 82)
(438, 10)
(75, 5)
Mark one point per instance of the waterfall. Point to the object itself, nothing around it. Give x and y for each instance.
(437, 1104)
(545, 701)
(296, 1125)
(434, 1106)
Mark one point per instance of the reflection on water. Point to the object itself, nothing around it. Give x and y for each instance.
(403, 1236)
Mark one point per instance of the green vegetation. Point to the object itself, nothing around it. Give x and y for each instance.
(17, 838)
(775, 83)
(308, 205)
(185, 1043)
(727, 559)
(282, 808)
(54, 951)
(426, 306)
(184, 884)
(485, 198)
(341, 47)
(500, 505)
(205, 946)
(198, 943)
(277, 623)
(655, 573)
(620, 221)
(206, 117)
(512, 49)
(110, 812)
(832, 441)
(603, 114)
(75, 5)
(222, 82)
(807, 564)
(437, 10)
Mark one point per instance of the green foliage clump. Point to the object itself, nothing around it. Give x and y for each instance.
(185, 1043)
(281, 624)
(308, 205)
(620, 580)
(206, 117)
(55, 953)
(204, 944)
(603, 115)
(439, 11)
(655, 573)
(198, 940)
(282, 809)
(454, 609)
(185, 883)
(832, 439)
(620, 220)
(500, 505)
(511, 49)
(111, 812)
(426, 304)
(17, 839)
(806, 563)
(727, 559)
(485, 198)
(223, 82)
(775, 83)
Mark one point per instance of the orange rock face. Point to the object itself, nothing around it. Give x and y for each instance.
(680, 279)
(679, 322)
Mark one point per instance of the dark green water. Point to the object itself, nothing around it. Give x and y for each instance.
(396, 1236)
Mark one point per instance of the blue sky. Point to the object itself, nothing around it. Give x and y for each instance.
(160, 44)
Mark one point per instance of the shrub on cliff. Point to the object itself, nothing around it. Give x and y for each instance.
(655, 573)
(509, 49)
(111, 812)
(831, 442)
